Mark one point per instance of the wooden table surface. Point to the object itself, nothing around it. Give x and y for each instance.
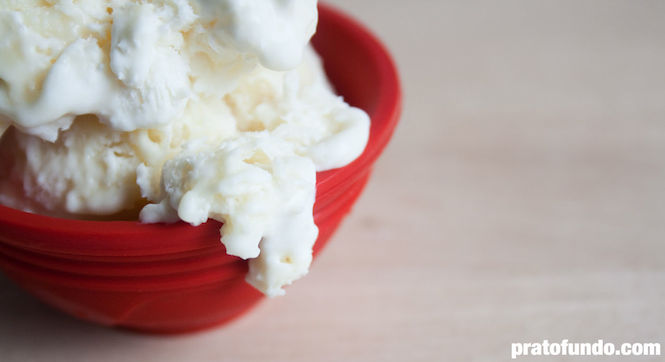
(522, 199)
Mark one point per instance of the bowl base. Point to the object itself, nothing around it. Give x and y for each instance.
(189, 328)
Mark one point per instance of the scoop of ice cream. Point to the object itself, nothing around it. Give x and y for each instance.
(136, 64)
(247, 158)
(174, 110)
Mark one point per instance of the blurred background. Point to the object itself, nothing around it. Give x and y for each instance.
(522, 198)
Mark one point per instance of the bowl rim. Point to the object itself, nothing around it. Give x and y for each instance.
(133, 238)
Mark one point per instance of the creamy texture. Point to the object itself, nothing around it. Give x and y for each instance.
(182, 110)
(59, 60)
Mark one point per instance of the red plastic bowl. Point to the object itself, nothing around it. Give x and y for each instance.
(171, 278)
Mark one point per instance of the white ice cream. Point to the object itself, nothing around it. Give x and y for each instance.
(190, 110)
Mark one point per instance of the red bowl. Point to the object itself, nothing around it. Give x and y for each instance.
(171, 278)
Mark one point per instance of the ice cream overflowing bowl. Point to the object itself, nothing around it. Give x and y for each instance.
(175, 277)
